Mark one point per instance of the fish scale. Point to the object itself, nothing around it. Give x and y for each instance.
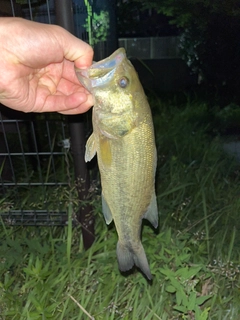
(123, 139)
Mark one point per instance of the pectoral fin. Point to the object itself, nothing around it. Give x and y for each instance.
(152, 212)
(106, 211)
(90, 148)
(105, 151)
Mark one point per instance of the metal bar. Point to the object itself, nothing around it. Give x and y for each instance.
(12, 6)
(21, 146)
(85, 215)
(35, 183)
(51, 149)
(8, 151)
(48, 11)
(34, 217)
(31, 153)
(39, 211)
(19, 120)
(64, 18)
(36, 152)
(30, 9)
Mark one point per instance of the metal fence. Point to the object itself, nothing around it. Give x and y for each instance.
(36, 172)
(44, 11)
(34, 168)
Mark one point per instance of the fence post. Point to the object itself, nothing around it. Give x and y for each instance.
(64, 18)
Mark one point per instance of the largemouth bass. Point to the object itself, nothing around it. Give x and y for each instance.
(123, 138)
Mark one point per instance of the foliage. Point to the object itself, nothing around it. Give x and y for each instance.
(183, 283)
(228, 119)
(209, 37)
(99, 26)
(135, 20)
(184, 12)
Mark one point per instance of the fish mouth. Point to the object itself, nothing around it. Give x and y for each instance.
(100, 73)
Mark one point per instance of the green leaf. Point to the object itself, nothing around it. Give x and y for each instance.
(34, 315)
(202, 299)
(188, 273)
(179, 298)
(167, 272)
(192, 301)
(182, 309)
(36, 303)
(171, 289)
(204, 314)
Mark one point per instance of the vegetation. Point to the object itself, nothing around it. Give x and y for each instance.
(209, 31)
(138, 19)
(194, 256)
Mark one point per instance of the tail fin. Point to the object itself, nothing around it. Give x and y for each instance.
(127, 257)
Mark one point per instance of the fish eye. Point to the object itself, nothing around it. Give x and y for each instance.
(123, 82)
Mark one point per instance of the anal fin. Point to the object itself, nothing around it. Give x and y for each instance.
(152, 211)
(106, 211)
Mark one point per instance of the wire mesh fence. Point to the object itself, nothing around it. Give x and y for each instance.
(44, 11)
(36, 174)
(35, 169)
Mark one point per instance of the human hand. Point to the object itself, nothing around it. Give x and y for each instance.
(37, 68)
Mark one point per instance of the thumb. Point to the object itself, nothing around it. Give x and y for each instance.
(76, 50)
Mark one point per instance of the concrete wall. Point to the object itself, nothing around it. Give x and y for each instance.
(164, 74)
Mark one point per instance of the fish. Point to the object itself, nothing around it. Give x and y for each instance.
(123, 139)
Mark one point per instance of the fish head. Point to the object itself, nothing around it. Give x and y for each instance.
(113, 83)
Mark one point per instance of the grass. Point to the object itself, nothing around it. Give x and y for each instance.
(194, 256)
